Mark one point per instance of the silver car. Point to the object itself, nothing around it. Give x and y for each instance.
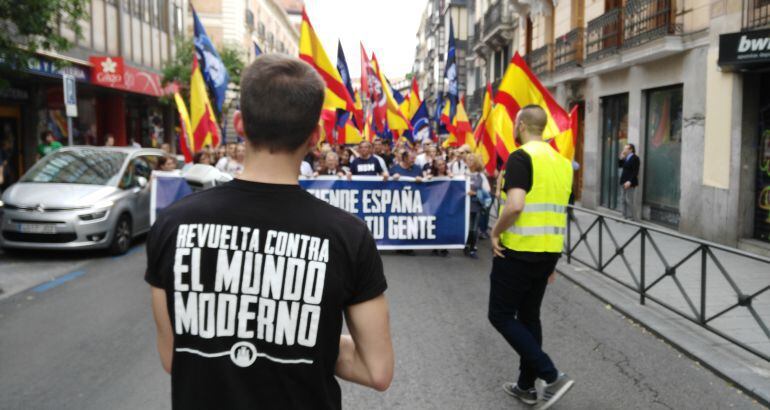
(80, 198)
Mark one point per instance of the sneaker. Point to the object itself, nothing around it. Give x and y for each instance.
(548, 394)
(526, 396)
(473, 254)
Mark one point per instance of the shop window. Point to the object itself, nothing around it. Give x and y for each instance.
(614, 136)
(662, 154)
(762, 203)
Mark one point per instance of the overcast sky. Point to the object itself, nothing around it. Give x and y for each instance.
(387, 27)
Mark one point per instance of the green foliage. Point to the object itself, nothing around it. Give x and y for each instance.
(180, 68)
(27, 26)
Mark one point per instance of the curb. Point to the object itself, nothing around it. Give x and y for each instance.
(736, 366)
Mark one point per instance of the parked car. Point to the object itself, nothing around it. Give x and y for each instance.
(80, 198)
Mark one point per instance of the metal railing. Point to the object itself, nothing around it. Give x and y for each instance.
(568, 50)
(591, 241)
(494, 17)
(539, 60)
(603, 35)
(645, 20)
(756, 14)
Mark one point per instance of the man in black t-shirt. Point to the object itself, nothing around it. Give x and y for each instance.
(366, 163)
(250, 280)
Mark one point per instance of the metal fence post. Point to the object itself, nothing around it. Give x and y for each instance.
(600, 268)
(642, 283)
(569, 234)
(703, 284)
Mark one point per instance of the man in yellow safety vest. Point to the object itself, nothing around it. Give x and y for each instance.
(527, 241)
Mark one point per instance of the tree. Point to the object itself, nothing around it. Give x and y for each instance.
(179, 69)
(31, 25)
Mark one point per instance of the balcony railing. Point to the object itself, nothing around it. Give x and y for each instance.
(603, 35)
(756, 14)
(645, 20)
(539, 60)
(476, 33)
(568, 50)
(496, 17)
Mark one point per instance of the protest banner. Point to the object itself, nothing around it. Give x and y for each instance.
(167, 188)
(402, 214)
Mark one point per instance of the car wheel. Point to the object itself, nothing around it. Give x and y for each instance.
(121, 238)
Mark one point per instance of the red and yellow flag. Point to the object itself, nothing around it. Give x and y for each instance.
(518, 88)
(485, 145)
(205, 130)
(349, 133)
(312, 52)
(395, 118)
(185, 138)
(460, 131)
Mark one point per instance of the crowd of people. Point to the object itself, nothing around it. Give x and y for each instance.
(389, 161)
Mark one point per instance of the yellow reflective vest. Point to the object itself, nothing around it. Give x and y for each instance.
(541, 225)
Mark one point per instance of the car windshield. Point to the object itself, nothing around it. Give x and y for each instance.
(82, 166)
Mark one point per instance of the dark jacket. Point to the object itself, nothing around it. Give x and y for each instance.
(630, 170)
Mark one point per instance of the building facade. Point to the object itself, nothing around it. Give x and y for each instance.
(685, 81)
(116, 63)
(432, 42)
(243, 23)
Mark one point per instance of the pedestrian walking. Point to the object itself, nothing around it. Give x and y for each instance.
(479, 193)
(629, 179)
(249, 301)
(527, 241)
(48, 144)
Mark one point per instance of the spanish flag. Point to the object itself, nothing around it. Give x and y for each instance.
(460, 131)
(396, 120)
(349, 133)
(185, 139)
(205, 130)
(485, 145)
(312, 52)
(518, 88)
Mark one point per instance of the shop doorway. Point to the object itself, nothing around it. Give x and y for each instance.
(614, 137)
(10, 144)
(663, 154)
(762, 203)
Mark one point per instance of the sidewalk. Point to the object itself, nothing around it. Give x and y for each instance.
(745, 288)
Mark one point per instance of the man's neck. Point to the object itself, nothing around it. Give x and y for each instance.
(271, 168)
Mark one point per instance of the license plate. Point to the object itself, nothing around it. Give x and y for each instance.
(37, 228)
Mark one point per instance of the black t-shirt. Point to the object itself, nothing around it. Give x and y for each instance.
(257, 277)
(369, 166)
(518, 174)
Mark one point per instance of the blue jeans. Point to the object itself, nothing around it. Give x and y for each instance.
(516, 292)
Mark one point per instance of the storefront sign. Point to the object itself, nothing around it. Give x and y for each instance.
(744, 51)
(40, 65)
(111, 72)
(107, 71)
(70, 96)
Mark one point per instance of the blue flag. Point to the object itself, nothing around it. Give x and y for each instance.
(342, 67)
(450, 74)
(257, 50)
(420, 125)
(214, 71)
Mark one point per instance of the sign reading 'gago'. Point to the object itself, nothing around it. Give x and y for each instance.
(402, 214)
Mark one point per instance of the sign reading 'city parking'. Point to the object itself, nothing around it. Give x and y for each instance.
(402, 214)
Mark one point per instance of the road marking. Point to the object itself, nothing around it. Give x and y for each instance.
(58, 281)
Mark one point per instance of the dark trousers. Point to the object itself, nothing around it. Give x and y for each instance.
(473, 231)
(516, 292)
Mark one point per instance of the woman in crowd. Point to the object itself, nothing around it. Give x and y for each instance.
(479, 193)
(166, 163)
(438, 168)
(202, 157)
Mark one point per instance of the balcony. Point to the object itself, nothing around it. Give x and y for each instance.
(639, 22)
(646, 20)
(476, 99)
(603, 35)
(568, 50)
(499, 24)
(539, 60)
(756, 14)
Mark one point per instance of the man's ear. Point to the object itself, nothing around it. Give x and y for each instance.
(315, 136)
(238, 123)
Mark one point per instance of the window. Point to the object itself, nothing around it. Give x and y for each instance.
(147, 5)
(250, 19)
(136, 8)
(178, 20)
(614, 136)
(261, 30)
(663, 153)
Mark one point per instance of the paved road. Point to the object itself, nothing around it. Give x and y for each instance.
(88, 344)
